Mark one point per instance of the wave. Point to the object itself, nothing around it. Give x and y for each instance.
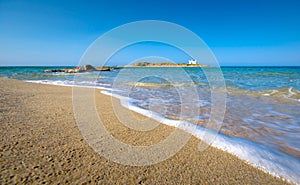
(287, 93)
(166, 84)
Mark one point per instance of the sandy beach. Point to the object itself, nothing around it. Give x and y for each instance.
(41, 143)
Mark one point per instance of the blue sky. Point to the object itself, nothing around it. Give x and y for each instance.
(241, 32)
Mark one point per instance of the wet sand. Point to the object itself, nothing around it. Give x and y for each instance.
(41, 143)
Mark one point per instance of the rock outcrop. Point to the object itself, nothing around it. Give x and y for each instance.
(104, 68)
(85, 68)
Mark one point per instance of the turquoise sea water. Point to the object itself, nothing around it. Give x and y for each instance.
(262, 115)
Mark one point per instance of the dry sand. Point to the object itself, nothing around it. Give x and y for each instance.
(41, 143)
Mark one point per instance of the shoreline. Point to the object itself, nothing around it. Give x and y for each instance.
(42, 142)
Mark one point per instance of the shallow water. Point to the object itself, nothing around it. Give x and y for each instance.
(262, 104)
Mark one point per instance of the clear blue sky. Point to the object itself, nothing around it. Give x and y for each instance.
(241, 32)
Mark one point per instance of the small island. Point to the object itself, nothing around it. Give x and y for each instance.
(191, 63)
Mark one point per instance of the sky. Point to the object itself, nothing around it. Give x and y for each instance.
(239, 32)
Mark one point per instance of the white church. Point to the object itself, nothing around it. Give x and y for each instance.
(193, 61)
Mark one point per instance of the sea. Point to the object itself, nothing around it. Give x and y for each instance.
(261, 123)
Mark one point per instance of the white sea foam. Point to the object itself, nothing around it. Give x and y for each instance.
(69, 83)
(52, 82)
